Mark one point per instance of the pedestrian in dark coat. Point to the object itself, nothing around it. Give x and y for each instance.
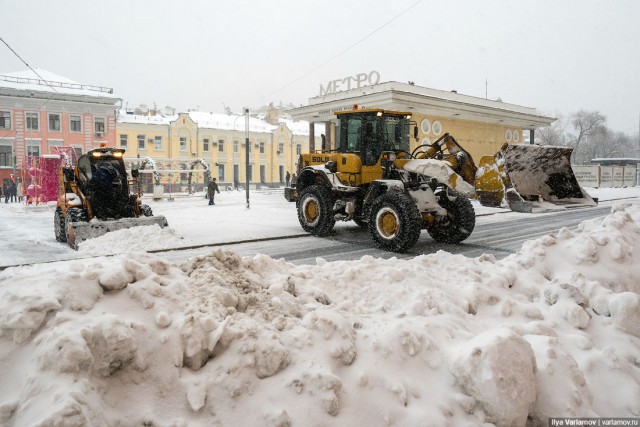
(287, 178)
(212, 189)
(14, 191)
(6, 191)
(294, 180)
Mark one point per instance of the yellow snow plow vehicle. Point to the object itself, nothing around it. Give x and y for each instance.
(94, 198)
(530, 178)
(372, 179)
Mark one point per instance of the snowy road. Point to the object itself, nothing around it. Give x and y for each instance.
(26, 233)
(499, 235)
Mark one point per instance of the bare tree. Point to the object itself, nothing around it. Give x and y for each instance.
(554, 134)
(586, 123)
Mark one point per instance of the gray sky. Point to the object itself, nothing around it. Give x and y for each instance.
(555, 55)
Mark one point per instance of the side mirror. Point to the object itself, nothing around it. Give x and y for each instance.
(135, 173)
(415, 133)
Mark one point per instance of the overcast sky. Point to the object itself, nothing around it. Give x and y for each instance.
(555, 55)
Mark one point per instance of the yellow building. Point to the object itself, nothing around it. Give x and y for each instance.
(481, 125)
(180, 147)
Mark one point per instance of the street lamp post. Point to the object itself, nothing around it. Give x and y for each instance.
(246, 140)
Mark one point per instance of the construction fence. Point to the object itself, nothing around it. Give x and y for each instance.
(607, 176)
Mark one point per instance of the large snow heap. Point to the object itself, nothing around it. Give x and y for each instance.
(552, 331)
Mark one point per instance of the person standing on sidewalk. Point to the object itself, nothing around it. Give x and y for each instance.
(211, 190)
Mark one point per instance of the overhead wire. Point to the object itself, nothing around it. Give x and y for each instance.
(345, 50)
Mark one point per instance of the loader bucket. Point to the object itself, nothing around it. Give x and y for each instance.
(530, 178)
(77, 232)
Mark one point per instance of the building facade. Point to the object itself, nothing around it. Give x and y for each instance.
(176, 149)
(39, 112)
(481, 126)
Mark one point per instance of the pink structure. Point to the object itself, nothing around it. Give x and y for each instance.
(41, 174)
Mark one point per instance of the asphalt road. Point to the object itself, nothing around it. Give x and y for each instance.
(499, 234)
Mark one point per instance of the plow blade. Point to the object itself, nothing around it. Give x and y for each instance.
(77, 232)
(530, 178)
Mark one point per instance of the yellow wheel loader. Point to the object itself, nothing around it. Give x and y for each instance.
(373, 179)
(94, 198)
(530, 178)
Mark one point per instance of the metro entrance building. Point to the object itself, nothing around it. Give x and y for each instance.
(480, 125)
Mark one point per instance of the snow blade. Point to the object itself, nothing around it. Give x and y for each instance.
(530, 178)
(81, 231)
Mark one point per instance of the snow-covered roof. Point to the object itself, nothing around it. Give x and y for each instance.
(229, 122)
(301, 127)
(46, 81)
(222, 121)
(144, 119)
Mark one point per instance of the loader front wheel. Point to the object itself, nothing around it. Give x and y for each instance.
(459, 223)
(59, 226)
(394, 222)
(315, 210)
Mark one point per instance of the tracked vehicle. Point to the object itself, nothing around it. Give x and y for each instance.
(94, 198)
(372, 178)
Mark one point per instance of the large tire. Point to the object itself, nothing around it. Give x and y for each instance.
(59, 225)
(145, 210)
(315, 210)
(394, 222)
(460, 221)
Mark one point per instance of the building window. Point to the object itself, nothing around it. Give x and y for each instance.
(221, 172)
(157, 143)
(183, 143)
(263, 173)
(298, 149)
(262, 148)
(123, 140)
(33, 149)
(78, 151)
(235, 146)
(52, 143)
(6, 155)
(98, 124)
(281, 148)
(425, 126)
(205, 144)
(54, 122)
(33, 121)
(5, 119)
(141, 139)
(250, 173)
(221, 145)
(75, 124)
(436, 127)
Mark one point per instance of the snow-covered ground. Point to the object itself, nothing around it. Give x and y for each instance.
(132, 339)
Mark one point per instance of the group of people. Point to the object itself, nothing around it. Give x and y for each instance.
(291, 178)
(11, 191)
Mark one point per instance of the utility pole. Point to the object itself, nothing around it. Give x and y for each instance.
(246, 151)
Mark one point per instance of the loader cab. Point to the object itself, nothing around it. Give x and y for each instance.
(89, 163)
(369, 132)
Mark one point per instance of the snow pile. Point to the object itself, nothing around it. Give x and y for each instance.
(150, 237)
(223, 340)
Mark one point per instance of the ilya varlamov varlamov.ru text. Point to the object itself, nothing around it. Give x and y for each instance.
(561, 422)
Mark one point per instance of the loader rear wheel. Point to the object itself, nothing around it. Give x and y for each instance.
(459, 223)
(59, 226)
(145, 210)
(394, 222)
(315, 210)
